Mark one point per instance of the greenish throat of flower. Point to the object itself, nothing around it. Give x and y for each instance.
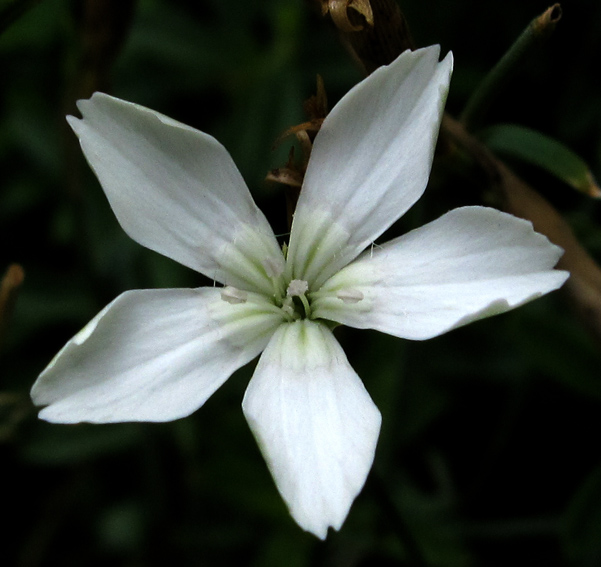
(293, 299)
(296, 304)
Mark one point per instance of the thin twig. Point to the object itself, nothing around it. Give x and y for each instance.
(539, 29)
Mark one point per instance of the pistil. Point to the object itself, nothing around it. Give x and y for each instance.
(299, 288)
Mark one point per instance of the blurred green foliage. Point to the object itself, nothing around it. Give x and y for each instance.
(489, 450)
(537, 149)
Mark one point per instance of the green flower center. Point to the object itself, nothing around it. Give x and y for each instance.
(296, 304)
(290, 298)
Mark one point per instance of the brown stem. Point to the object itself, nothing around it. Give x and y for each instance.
(539, 29)
(387, 39)
(9, 287)
(102, 27)
(381, 43)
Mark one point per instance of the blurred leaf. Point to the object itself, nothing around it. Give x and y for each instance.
(582, 523)
(66, 304)
(431, 516)
(121, 527)
(60, 445)
(37, 22)
(559, 348)
(545, 152)
(285, 543)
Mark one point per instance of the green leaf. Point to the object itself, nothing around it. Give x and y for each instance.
(537, 149)
(61, 445)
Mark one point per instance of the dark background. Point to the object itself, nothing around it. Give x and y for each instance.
(489, 452)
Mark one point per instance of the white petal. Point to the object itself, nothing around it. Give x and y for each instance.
(370, 162)
(151, 355)
(177, 191)
(314, 422)
(470, 263)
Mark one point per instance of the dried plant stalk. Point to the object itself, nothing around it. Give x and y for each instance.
(388, 38)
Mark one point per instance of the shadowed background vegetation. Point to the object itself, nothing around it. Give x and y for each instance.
(489, 452)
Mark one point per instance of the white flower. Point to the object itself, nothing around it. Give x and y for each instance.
(157, 355)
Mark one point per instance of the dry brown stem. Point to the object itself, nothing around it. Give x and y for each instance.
(348, 15)
(292, 175)
(381, 43)
(103, 29)
(546, 22)
(9, 287)
(388, 38)
(526, 45)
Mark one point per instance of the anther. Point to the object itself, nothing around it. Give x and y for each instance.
(350, 295)
(233, 295)
(288, 309)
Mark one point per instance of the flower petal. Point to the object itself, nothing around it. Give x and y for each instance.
(370, 163)
(177, 191)
(470, 263)
(314, 422)
(151, 355)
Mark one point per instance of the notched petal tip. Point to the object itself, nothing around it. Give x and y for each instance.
(314, 422)
(175, 190)
(84, 104)
(384, 131)
(76, 124)
(471, 263)
(150, 355)
(449, 60)
(72, 120)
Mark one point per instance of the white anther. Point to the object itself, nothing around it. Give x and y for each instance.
(296, 288)
(288, 309)
(350, 295)
(233, 295)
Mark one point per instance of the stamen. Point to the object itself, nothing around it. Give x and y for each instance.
(288, 309)
(298, 288)
(233, 295)
(350, 295)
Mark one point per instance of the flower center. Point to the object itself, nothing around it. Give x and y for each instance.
(291, 298)
(296, 298)
(294, 305)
